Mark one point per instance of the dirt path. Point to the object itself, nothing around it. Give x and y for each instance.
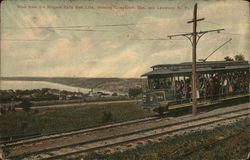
(81, 104)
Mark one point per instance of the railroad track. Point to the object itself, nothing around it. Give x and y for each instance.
(183, 125)
(176, 110)
(34, 139)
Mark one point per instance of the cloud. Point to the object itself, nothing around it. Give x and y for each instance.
(64, 48)
(128, 55)
(111, 44)
(173, 56)
(115, 54)
(33, 61)
(58, 53)
(158, 27)
(229, 15)
(38, 20)
(135, 71)
(5, 45)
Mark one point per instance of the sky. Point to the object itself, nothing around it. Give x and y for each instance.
(96, 38)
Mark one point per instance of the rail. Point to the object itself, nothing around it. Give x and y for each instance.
(132, 133)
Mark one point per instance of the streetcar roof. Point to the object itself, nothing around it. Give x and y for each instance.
(209, 63)
(188, 71)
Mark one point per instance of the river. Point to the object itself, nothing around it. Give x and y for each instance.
(22, 85)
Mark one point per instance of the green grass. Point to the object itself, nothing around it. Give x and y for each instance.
(63, 119)
(207, 145)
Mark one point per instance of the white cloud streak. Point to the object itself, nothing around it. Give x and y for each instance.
(117, 53)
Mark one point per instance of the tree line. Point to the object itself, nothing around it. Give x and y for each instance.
(238, 57)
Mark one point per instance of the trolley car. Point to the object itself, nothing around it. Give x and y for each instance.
(169, 84)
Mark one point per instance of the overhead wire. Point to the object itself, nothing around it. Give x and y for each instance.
(77, 26)
(236, 34)
(22, 40)
(74, 28)
(206, 21)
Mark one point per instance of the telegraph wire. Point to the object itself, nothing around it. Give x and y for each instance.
(22, 40)
(88, 30)
(78, 26)
(235, 34)
(157, 39)
(211, 22)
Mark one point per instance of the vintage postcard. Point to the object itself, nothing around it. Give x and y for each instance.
(124, 79)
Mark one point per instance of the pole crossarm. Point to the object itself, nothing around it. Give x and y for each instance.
(189, 38)
(204, 32)
(192, 21)
(197, 33)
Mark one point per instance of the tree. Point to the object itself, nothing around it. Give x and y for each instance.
(107, 116)
(26, 105)
(239, 57)
(133, 92)
(227, 58)
(2, 111)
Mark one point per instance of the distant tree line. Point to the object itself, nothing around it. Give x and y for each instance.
(44, 94)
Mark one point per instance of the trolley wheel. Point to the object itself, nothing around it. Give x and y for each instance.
(161, 111)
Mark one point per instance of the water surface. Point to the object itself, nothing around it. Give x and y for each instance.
(22, 85)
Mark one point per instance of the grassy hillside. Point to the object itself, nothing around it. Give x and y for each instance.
(62, 119)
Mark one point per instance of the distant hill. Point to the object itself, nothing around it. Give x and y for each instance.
(108, 84)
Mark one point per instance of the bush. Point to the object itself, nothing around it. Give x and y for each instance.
(107, 117)
(26, 105)
(133, 92)
(239, 57)
(24, 125)
(9, 108)
(3, 111)
(36, 111)
(13, 109)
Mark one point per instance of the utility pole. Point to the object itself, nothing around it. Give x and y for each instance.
(194, 99)
(194, 42)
